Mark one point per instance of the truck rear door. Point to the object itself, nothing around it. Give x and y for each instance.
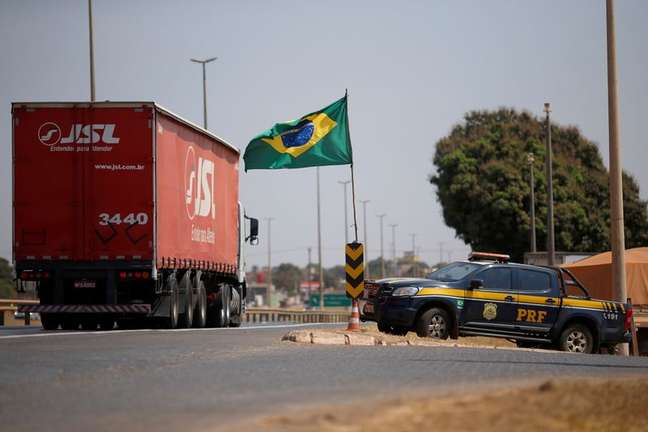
(83, 182)
(539, 300)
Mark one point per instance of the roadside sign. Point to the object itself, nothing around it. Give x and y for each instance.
(330, 300)
(354, 269)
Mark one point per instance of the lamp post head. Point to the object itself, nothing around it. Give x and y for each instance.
(209, 60)
(547, 107)
(530, 158)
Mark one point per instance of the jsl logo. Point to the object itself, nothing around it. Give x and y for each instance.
(199, 186)
(50, 134)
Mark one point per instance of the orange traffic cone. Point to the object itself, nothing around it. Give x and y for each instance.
(354, 319)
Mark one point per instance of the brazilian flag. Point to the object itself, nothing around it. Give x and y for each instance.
(317, 139)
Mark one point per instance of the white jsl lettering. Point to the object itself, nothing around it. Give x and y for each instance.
(90, 134)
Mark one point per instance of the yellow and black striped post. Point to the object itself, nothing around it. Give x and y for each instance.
(354, 269)
(354, 286)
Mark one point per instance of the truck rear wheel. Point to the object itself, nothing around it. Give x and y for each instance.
(186, 318)
(577, 338)
(220, 314)
(171, 321)
(433, 323)
(200, 313)
(49, 322)
(236, 307)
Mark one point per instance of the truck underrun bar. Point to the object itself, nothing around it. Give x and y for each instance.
(98, 308)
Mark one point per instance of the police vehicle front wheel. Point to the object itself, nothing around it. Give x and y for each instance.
(434, 323)
(577, 338)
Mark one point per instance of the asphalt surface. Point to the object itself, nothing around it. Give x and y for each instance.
(215, 378)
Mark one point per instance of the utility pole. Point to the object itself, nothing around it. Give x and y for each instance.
(382, 249)
(617, 239)
(440, 252)
(364, 228)
(551, 248)
(308, 273)
(393, 227)
(346, 213)
(414, 269)
(203, 63)
(269, 274)
(92, 71)
(531, 159)
(319, 243)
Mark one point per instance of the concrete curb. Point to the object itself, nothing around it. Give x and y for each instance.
(327, 337)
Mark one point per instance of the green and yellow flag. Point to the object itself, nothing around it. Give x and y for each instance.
(316, 139)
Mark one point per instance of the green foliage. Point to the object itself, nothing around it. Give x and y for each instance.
(483, 184)
(287, 277)
(7, 286)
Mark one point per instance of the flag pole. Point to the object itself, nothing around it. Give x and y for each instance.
(353, 197)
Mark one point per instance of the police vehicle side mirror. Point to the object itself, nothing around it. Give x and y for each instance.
(476, 284)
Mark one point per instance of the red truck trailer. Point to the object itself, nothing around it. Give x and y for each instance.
(124, 211)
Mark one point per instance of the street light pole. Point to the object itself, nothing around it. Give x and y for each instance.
(269, 274)
(346, 220)
(382, 249)
(531, 159)
(414, 269)
(617, 239)
(203, 63)
(364, 228)
(92, 71)
(393, 227)
(551, 253)
(319, 243)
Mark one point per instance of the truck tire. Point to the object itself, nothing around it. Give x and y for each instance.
(70, 323)
(106, 324)
(221, 317)
(235, 309)
(171, 322)
(200, 313)
(576, 338)
(186, 318)
(433, 323)
(49, 322)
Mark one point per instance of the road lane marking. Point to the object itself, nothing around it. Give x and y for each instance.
(109, 332)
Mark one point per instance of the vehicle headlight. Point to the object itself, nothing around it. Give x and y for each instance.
(405, 291)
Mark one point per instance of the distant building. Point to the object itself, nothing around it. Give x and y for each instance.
(540, 258)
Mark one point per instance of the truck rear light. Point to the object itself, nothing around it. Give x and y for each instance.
(122, 275)
(628, 319)
(138, 275)
(33, 275)
(145, 275)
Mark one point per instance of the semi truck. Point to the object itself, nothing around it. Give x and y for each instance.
(124, 212)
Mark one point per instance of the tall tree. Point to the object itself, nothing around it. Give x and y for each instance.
(482, 181)
(287, 277)
(7, 287)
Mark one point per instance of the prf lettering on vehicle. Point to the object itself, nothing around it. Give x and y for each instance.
(530, 315)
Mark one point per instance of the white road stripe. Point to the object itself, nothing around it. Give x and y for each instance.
(110, 332)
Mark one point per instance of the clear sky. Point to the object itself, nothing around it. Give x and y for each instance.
(413, 68)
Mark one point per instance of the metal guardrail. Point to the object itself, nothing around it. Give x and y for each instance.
(252, 315)
(259, 315)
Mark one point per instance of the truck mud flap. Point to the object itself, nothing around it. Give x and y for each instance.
(161, 306)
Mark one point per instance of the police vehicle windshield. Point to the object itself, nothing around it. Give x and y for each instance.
(453, 272)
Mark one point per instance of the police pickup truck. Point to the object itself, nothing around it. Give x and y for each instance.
(488, 296)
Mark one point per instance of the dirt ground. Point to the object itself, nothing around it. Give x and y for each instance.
(572, 405)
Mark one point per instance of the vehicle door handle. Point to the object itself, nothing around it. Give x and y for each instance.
(550, 301)
(508, 298)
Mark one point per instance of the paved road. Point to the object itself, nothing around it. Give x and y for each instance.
(209, 379)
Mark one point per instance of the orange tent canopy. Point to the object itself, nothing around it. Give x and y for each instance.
(595, 273)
